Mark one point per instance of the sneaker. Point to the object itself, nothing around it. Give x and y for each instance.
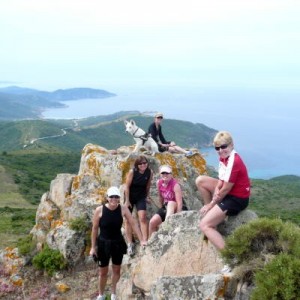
(130, 249)
(113, 297)
(189, 153)
(101, 297)
(226, 269)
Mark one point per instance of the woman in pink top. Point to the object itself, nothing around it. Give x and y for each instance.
(170, 196)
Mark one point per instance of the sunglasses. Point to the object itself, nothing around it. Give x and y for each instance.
(142, 163)
(114, 197)
(165, 173)
(221, 147)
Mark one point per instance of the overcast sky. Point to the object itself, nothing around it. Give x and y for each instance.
(54, 44)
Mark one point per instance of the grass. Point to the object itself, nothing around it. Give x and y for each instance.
(276, 198)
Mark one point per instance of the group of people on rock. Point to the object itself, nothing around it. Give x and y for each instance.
(225, 196)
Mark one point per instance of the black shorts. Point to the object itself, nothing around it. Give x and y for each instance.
(114, 249)
(233, 204)
(163, 211)
(139, 204)
(162, 148)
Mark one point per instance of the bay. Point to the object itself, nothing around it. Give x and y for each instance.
(264, 122)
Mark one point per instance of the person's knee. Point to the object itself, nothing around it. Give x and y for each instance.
(200, 180)
(203, 226)
(143, 219)
(103, 273)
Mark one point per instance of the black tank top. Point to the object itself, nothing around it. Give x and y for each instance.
(110, 223)
(138, 187)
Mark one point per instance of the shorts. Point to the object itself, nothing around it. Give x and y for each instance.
(114, 249)
(233, 205)
(163, 211)
(162, 148)
(139, 204)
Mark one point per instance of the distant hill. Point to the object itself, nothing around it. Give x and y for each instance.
(24, 103)
(107, 131)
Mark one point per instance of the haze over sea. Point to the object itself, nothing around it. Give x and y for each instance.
(264, 122)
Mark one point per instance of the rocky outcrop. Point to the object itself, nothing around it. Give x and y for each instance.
(178, 262)
(76, 196)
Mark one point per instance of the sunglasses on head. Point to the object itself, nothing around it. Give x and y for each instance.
(142, 163)
(221, 147)
(114, 197)
(165, 173)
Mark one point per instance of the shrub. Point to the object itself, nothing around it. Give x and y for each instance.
(79, 224)
(262, 237)
(49, 260)
(26, 245)
(280, 279)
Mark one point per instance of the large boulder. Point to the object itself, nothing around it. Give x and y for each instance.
(177, 250)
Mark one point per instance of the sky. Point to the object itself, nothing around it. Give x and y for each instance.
(51, 44)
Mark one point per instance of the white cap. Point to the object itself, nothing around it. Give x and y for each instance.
(165, 168)
(159, 115)
(113, 191)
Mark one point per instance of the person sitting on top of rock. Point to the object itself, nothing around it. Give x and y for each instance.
(170, 196)
(163, 145)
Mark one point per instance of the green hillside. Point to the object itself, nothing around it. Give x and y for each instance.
(107, 131)
(18, 103)
(277, 197)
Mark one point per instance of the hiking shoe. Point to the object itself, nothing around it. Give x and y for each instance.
(113, 297)
(189, 153)
(101, 297)
(130, 249)
(226, 269)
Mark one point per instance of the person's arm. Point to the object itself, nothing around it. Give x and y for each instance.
(152, 130)
(178, 197)
(95, 228)
(126, 213)
(127, 187)
(222, 192)
(161, 137)
(148, 186)
(161, 199)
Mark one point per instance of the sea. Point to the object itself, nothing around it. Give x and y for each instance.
(264, 122)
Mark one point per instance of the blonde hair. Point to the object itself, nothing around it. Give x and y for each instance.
(223, 137)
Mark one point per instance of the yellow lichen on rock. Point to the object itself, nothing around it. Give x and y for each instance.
(94, 166)
(56, 223)
(102, 195)
(62, 287)
(168, 159)
(125, 166)
(16, 280)
(198, 163)
(76, 182)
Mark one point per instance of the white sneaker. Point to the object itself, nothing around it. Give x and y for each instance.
(101, 297)
(113, 297)
(226, 269)
(130, 250)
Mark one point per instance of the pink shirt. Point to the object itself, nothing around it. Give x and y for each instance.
(167, 192)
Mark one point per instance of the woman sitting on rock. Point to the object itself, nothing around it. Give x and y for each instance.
(170, 196)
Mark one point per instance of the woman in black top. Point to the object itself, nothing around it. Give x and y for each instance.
(164, 145)
(137, 187)
(110, 243)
